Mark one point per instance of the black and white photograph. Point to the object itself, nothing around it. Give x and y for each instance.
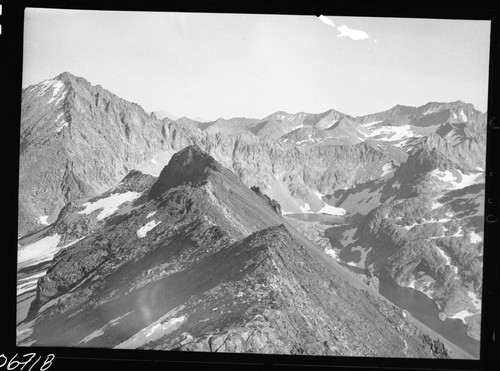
(252, 183)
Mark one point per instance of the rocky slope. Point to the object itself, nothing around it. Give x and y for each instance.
(66, 119)
(205, 264)
(410, 181)
(424, 230)
(77, 140)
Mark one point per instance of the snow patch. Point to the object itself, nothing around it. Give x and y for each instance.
(474, 237)
(393, 133)
(153, 332)
(386, 169)
(401, 143)
(39, 251)
(462, 315)
(458, 233)
(436, 205)
(93, 335)
(408, 227)
(45, 85)
(464, 180)
(59, 116)
(62, 126)
(331, 252)
(297, 127)
(371, 123)
(43, 220)
(110, 204)
(463, 116)
(443, 254)
(306, 208)
(319, 195)
(143, 231)
(331, 210)
(58, 85)
(60, 98)
(432, 110)
(29, 283)
(150, 214)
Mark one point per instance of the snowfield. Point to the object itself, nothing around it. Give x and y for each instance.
(306, 208)
(43, 219)
(332, 210)
(58, 86)
(387, 169)
(462, 181)
(39, 251)
(463, 116)
(29, 283)
(436, 205)
(393, 133)
(162, 327)
(45, 85)
(332, 253)
(462, 315)
(143, 231)
(109, 205)
(474, 237)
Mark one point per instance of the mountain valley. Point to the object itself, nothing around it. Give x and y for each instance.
(136, 232)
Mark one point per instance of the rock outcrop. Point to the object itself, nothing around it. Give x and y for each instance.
(205, 264)
(114, 185)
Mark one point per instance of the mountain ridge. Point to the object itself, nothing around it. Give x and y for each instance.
(70, 129)
(210, 266)
(97, 172)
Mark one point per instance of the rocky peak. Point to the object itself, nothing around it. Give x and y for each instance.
(401, 110)
(66, 77)
(273, 203)
(423, 159)
(189, 166)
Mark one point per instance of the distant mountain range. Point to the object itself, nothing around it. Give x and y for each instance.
(111, 187)
(64, 119)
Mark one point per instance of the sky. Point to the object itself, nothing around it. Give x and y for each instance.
(208, 65)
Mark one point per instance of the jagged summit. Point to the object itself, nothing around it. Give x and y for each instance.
(65, 76)
(188, 166)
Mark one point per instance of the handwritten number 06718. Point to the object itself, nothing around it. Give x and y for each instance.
(14, 363)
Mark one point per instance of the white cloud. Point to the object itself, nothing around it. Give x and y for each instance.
(326, 21)
(353, 34)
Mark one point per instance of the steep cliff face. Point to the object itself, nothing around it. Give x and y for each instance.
(77, 140)
(205, 264)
